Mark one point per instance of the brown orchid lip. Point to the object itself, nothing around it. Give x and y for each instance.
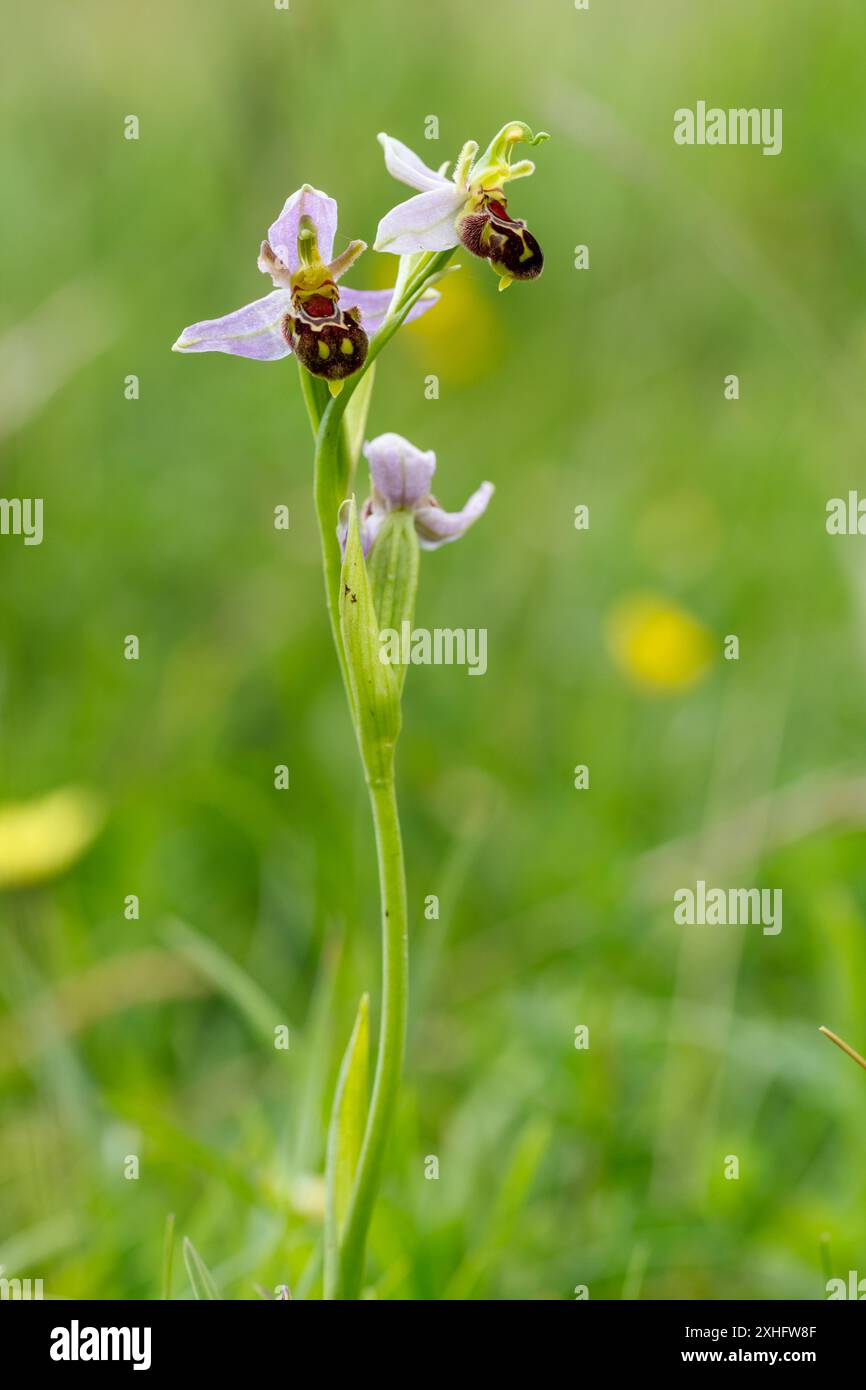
(489, 231)
(332, 345)
(515, 252)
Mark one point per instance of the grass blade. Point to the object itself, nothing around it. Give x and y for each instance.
(200, 1277)
(167, 1256)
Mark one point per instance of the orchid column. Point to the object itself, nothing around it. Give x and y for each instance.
(371, 558)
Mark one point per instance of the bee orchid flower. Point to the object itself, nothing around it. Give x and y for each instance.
(325, 326)
(468, 208)
(400, 477)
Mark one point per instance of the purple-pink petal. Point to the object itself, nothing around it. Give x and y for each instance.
(253, 331)
(427, 222)
(406, 166)
(307, 202)
(436, 527)
(400, 473)
(374, 305)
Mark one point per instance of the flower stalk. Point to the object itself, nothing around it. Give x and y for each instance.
(370, 558)
(333, 470)
(392, 1036)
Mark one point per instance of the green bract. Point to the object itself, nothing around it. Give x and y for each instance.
(373, 684)
(393, 568)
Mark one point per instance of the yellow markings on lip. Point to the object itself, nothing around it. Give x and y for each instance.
(324, 350)
(347, 347)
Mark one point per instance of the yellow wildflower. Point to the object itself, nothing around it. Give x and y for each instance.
(41, 838)
(658, 645)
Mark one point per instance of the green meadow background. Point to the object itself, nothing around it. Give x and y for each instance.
(153, 1037)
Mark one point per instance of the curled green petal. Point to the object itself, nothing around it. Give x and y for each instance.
(496, 159)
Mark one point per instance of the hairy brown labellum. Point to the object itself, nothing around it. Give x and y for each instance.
(328, 340)
(471, 229)
(504, 241)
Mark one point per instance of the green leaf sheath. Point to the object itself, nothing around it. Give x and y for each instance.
(393, 569)
(372, 682)
(345, 1137)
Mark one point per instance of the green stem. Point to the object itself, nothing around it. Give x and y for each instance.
(332, 467)
(315, 394)
(332, 462)
(326, 487)
(328, 493)
(392, 1036)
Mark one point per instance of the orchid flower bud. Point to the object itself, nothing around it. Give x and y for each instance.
(400, 476)
(400, 518)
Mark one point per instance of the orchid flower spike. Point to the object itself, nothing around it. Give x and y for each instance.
(327, 328)
(470, 207)
(400, 477)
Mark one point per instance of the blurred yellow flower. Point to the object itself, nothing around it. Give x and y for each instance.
(658, 645)
(41, 838)
(459, 336)
(458, 339)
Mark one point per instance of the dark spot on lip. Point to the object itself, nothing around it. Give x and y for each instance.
(318, 306)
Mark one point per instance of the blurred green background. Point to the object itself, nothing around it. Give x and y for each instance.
(604, 387)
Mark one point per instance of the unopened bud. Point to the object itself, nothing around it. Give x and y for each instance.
(393, 570)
